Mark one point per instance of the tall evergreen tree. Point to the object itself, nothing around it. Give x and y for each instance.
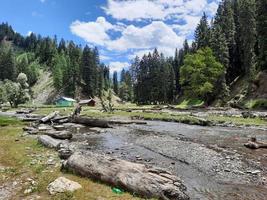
(262, 33)
(115, 83)
(202, 33)
(247, 35)
(7, 61)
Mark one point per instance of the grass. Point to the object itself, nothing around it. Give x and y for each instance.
(23, 157)
(238, 120)
(189, 103)
(5, 121)
(256, 104)
(162, 116)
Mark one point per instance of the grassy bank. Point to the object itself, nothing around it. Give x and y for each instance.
(159, 115)
(24, 161)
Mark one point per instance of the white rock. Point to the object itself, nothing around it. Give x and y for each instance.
(63, 184)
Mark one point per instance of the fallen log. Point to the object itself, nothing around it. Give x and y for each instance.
(90, 122)
(49, 141)
(49, 117)
(254, 144)
(126, 122)
(29, 119)
(137, 178)
(23, 111)
(59, 118)
(62, 135)
(59, 127)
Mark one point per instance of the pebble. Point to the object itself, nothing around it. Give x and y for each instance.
(255, 172)
(28, 191)
(227, 170)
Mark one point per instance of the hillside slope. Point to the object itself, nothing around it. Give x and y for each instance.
(44, 91)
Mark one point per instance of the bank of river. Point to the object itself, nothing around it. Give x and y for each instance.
(212, 161)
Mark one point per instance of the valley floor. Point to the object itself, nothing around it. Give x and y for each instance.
(206, 150)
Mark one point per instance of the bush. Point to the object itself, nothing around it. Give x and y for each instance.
(257, 104)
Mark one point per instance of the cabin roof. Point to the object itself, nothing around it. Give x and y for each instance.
(85, 101)
(67, 99)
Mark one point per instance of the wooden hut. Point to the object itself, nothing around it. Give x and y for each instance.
(88, 102)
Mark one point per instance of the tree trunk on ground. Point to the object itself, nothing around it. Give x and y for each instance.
(49, 117)
(91, 122)
(136, 178)
(49, 141)
(126, 122)
(62, 135)
(254, 144)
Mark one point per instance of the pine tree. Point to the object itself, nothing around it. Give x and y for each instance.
(247, 35)
(7, 62)
(225, 20)
(115, 83)
(202, 33)
(62, 46)
(262, 33)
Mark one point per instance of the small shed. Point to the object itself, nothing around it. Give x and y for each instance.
(65, 102)
(88, 102)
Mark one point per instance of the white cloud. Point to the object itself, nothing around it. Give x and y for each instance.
(136, 10)
(155, 34)
(103, 57)
(29, 33)
(93, 32)
(117, 66)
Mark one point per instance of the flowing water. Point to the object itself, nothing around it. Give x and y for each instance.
(212, 161)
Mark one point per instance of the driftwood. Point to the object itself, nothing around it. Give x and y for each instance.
(29, 119)
(49, 141)
(59, 118)
(137, 178)
(126, 122)
(49, 117)
(59, 127)
(90, 122)
(23, 111)
(62, 135)
(254, 144)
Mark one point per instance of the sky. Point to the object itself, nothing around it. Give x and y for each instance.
(121, 29)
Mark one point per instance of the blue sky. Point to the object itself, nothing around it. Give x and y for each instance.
(120, 29)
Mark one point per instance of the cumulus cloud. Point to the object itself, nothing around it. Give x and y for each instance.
(117, 66)
(155, 34)
(136, 10)
(93, 32)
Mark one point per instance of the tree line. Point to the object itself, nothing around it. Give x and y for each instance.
(76, 70)
(233, 45)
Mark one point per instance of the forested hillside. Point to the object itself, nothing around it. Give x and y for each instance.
(76, 71)
(230, 49)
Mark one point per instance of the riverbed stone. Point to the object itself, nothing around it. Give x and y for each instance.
(63, 184)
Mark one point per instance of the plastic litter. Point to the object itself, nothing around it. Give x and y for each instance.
(117, 190)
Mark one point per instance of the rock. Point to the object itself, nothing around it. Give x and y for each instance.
(28, 191)
(64, 153)
(63, 184)
(51, 161)
(255, 172)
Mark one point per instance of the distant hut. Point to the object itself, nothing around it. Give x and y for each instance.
(65, 102)
(88, 102)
